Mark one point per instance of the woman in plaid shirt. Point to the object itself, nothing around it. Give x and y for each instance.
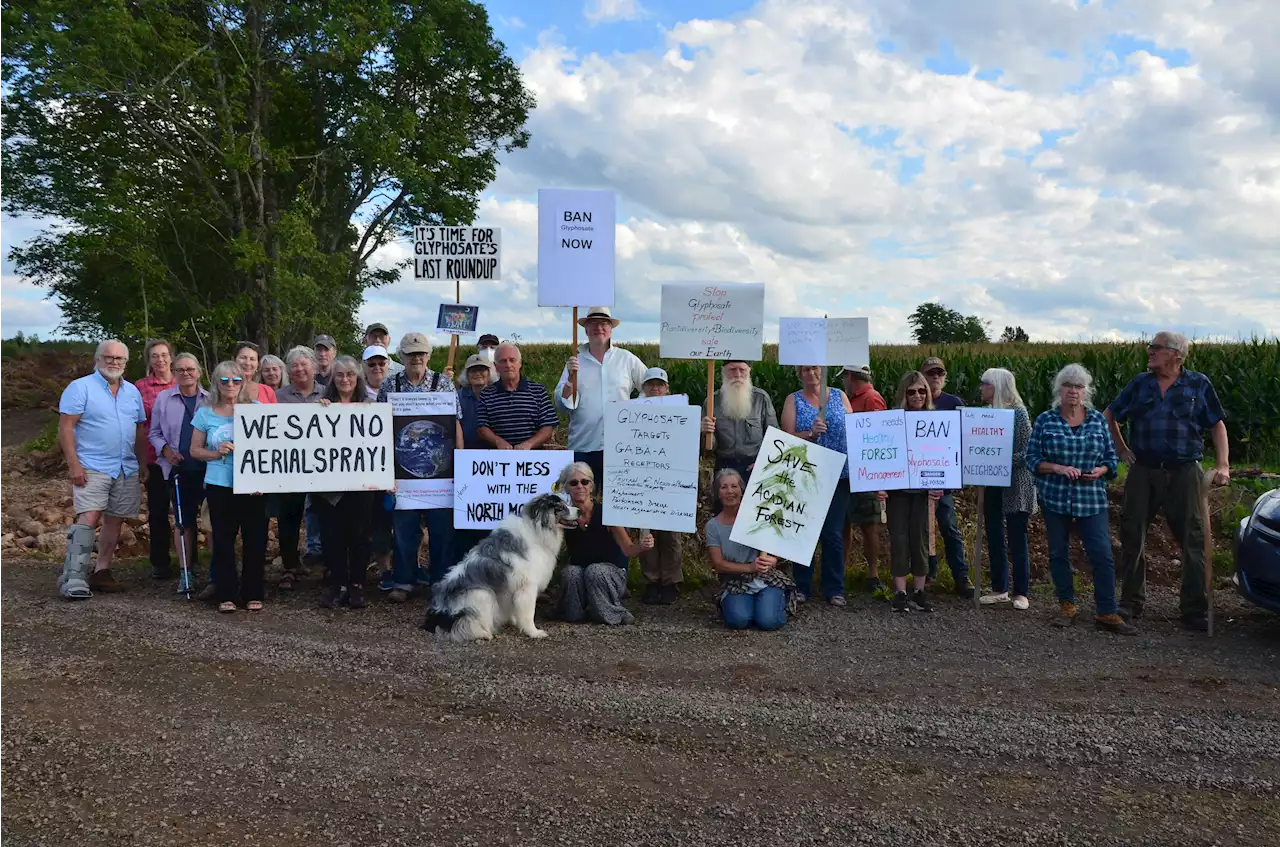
(1072, 456)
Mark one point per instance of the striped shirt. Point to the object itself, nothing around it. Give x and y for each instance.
(1086, 447)
(516, 416)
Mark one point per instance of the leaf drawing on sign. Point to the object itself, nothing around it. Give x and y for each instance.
(790, 479)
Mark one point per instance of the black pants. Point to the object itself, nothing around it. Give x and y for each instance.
(244, 515)
(293, 509)
(345, 528)
(465, 539)
(158, 519)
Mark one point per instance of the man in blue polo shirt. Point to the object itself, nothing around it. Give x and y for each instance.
(102, 430)
(514, 413)
(1168, 408)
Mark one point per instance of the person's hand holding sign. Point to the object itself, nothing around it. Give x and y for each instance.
(765, 562)
(708, 426)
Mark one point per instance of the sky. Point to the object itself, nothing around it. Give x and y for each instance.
(1085, 169)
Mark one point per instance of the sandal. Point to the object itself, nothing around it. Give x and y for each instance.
(254, 605)
(227, 607)
(286, 581)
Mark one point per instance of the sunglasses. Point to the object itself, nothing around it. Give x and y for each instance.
(574, 483)
(911, 392)
(230, 380)
(936, 372)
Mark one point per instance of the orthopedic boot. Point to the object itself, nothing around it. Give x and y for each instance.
(73, 584)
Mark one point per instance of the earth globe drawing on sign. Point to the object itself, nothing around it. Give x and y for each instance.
(422, 449)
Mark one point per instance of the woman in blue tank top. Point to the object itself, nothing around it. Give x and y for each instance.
(800, 418)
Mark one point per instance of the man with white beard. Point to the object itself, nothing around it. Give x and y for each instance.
(742, 414)
(102, 430)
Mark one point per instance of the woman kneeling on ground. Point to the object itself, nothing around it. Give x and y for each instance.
(755, 591)
(595, 580)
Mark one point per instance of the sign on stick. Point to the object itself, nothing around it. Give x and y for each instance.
(651, 466)
(304, 447)
(490, 485)
(877, 447)
(457, 319)
(423, 426)
(457, 252)
(823, 341)
(575, 247)
(933, 450)
(987, 437)
(712, 321)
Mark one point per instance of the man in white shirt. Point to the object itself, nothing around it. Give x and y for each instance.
(605, 373)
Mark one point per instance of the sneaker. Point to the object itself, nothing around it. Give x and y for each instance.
(398, 595)
(1195, 623)
(386, 582)
(424, 578)
(1066, 614)
(801, 597)
(901, 603)
(837, 600)
(992, 599)
(355, 597)
(1115, 623)
(964, 590)
(669, 594)
(103, 581)
(652, 594)
(874, 584)
(1021, 603)
(1130, 613)
(920, 602)
(208, 593)
(185, 585)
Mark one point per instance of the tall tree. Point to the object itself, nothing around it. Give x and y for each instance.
(1014, 335)
(934, 323)
(225, 170)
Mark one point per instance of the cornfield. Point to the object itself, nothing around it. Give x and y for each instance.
(1245, 374)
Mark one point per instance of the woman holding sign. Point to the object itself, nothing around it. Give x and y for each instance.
(213, 442)
(909, 512)
(595, 580)
(1008, 510)
(755, 591)
(816, 413)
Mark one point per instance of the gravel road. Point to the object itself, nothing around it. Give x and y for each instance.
(141, 719)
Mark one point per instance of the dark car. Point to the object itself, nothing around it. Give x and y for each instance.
(1258, 553)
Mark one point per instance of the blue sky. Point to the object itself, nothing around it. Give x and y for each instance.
(1086, 170)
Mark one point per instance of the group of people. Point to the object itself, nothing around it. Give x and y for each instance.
(176, 438)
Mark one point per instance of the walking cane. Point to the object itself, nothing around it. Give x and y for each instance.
(184, 582)
(1206, 483)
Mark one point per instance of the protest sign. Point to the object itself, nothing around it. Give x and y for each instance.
(457, 319)
(651, 466)
(575, 247)
(877, 447)
(664, 400)
(423, 427)
(823, 341)
(306, 447)
(457, 252)
(787, 497)
(716, 321)
(490, 485)
(933, 450)
(987, 438)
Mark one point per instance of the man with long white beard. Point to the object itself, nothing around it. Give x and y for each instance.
(742, 414)
(102, 430)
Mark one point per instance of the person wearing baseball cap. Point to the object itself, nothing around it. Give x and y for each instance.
(377, 335)
(604, 373)
(325, 349)
(935, 373)
(487, 348)
(864, 507)
(376, 363)
(663, 565)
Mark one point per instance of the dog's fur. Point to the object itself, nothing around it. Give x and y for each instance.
(500, 579)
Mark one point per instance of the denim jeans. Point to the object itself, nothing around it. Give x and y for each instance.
(767, 609)
(407, 537)
(832, 542)
(1007, 544)
(1095, 532)
(952, 541)
(314, 546)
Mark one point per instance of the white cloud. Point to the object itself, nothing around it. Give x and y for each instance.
(605, 11)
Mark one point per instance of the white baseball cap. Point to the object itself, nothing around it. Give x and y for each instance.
(375, 350)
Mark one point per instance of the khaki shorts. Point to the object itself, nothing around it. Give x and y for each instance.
(864, 508)
(120, 497)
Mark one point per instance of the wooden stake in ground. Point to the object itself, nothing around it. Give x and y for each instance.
(1206, 483)
(573, 378)
(708, 440)
(453, 339)
(976, 567)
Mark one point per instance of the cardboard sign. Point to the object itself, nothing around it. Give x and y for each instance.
(987, 438)
(575, 247)
(787, 497)
(457, 252)
(490, 485)
(716, 321)
(423, 429)
(457, 319)
(651, 465)
(824, 341)
(308, 447)
(933, 450)
(877, 447)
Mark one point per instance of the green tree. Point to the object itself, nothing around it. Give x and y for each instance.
(934, 323)
(225, 170)
(1014, 335)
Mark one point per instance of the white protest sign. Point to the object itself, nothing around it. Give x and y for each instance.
(712, 321)
(664, 400)
(651, 466)
(490, 485)
(575, 247)
(423, 428)
(933, 450)
(457, 252)
(787, 497)
(823, 341)
(291, 447)
(987, 438)
(877, 445)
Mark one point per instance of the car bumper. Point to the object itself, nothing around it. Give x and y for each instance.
(1258, 568)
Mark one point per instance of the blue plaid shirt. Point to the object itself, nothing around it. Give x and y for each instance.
(1169, 428)
(1086, 447)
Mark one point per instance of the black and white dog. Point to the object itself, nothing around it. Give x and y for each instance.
(500, 579)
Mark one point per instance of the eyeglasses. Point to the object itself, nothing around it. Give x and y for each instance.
(187, 371)
(230, 380)
(1153, 347)
(115, 358)
(574, 483)
(1077, 386)
(344, 375)
(912, 392)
